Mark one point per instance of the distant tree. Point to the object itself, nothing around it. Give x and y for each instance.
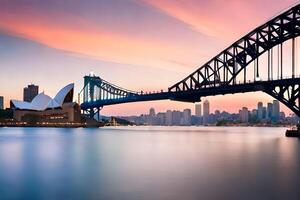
(6, 114)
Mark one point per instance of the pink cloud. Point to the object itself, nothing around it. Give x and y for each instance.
(227, 20)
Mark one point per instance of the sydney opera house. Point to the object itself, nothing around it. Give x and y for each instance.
(45, 109)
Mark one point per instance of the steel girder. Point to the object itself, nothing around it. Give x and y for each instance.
(99, 89)
(224, 68)
(288, 94)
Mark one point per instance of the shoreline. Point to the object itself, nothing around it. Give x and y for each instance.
(99, 126)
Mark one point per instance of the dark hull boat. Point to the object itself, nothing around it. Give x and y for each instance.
(293, 132)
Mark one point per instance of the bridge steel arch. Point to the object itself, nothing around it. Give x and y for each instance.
(224, 68)
(219, 75)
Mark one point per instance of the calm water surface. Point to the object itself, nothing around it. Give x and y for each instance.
(137, 163)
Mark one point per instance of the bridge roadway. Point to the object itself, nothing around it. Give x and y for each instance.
(195, 95)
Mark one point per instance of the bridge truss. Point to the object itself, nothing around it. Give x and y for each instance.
(228, 72)
(98, 90)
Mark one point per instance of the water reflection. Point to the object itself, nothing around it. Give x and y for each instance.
(149, 163)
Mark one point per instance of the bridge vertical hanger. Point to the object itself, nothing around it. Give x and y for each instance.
(293, 57)
(254, 70)
(269, 64)
(225, 66)
(296, 57)
(257, 52)
(234, 63)
(281, 61)
(215, 74)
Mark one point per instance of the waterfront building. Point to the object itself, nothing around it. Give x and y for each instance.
(176, 117)
(198, 110)
(206, 112)
(217, 115)
(152, 112)
(264, 112)
(276, 110)
(1, 102)
(161, 118)
(187, 117)
(253, 115)
(43, 108)
(269, 111)
(259, 111)
(30, 92)
(244, 115)
(281, 115)
(168, 118)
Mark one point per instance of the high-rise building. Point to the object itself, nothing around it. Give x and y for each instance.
(161, 118)
(244, 115)
(176, 117)
(253, 115)
(30, 92)
(1, 103)
(169, 118)
(187, 117)
(206, 112)
(260, 111)
(152, 112)
(217, 115)
(269, 111)
(264, 112)
(276, 110)
(281, 115)
(198, 110)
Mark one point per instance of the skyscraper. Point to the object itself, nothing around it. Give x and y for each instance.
(269, 111)
(206, 112)
(244, 115)
(264, 112)
(260, 111)
(169, 118)
(1, 103)
(176, 117)
(276, 110)
(198, 111)
(152, 112)
(30, 92)
(161, 118)
(187, 117)
(151, 120)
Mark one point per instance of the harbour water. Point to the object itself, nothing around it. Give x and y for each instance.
(137, 163)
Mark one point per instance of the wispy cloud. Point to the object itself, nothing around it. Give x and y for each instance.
(82, 33)
(218, 18)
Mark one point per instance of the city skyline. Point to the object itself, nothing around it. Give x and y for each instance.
(30, 91)
(153, 111)
(269, 113)
(77, 41)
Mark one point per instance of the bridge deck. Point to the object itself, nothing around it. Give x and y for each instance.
(194, 95)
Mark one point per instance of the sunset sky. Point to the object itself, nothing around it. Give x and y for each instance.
(137, 44)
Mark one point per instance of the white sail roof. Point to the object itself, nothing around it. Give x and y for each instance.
(61, 95)
(42, 101)
(21, 104)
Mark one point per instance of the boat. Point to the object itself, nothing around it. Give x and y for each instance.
(294, 132)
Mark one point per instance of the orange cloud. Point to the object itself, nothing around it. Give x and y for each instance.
(99, 43)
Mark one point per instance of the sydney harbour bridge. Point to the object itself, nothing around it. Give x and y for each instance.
(237, 69)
